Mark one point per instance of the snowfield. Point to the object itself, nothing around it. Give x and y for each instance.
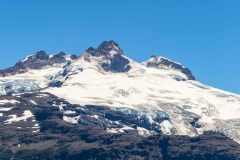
(152, 90)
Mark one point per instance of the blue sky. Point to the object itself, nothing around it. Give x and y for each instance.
(204, 35)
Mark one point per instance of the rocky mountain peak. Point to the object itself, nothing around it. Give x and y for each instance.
(111, 55)
(60, 54)
(61, 57)
(41, 55)
(105, 48)
(38, 60)
(162, 62)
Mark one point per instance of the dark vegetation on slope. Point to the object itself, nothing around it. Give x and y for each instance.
(90, 145)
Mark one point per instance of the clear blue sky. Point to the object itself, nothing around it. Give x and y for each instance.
(202, 34)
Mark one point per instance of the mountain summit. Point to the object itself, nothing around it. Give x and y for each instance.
(110, 56)
(105, 48)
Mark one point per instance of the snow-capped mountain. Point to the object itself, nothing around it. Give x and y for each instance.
(104, 88)
(156, 88)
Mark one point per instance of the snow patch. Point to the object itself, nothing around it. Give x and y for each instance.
(73, 120)
(119, 130)
(13, 118)
(166, 127)
(3, 102)
(33, 102)
(69, 112)
(5, 109)
(95, 116)
(143, 132)
(36, 131)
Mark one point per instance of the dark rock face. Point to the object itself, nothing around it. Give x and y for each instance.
(74, 57)
(55, 84)
(41, 55)
(88, 139)
(118, 63)
(165, 62)
(115, 62)
(36, 61)
(58, 58)
(105, 48)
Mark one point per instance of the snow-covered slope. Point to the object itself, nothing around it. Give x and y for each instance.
(156, 89)
(152, 91)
